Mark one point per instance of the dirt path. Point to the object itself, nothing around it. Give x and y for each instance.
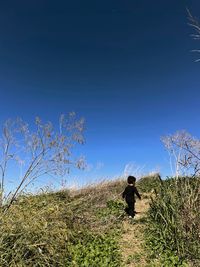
(132, 239)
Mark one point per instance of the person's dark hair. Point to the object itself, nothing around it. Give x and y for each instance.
(131, 180)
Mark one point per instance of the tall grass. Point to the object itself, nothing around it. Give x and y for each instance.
(173, 232)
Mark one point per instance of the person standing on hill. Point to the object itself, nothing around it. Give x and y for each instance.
(129, 195)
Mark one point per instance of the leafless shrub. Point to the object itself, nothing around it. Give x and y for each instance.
(38, 150)
(184, 152)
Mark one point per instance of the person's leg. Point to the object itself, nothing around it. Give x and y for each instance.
(134, 208)
(131, 209)
(127, 210)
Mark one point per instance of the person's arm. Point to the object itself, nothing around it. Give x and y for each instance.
(137, 193)
(124, 193)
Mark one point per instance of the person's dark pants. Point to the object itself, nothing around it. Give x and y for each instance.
(130, 210)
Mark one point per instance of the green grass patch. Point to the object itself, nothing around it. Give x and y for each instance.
(94, 250)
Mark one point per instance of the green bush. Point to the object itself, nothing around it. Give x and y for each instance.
(148, 183)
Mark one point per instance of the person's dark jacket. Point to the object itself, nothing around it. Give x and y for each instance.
(129, 193)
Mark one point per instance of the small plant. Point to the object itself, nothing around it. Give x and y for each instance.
(135, 258)
(94, 250)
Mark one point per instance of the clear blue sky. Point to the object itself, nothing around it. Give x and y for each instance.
(125, 66)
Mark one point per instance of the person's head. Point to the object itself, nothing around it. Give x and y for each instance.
(131, 180)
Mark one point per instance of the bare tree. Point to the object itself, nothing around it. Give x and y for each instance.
(184, 152)
(194, 23)
(38, 150)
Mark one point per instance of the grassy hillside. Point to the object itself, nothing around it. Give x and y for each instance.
(63, 229)
(88, 227)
